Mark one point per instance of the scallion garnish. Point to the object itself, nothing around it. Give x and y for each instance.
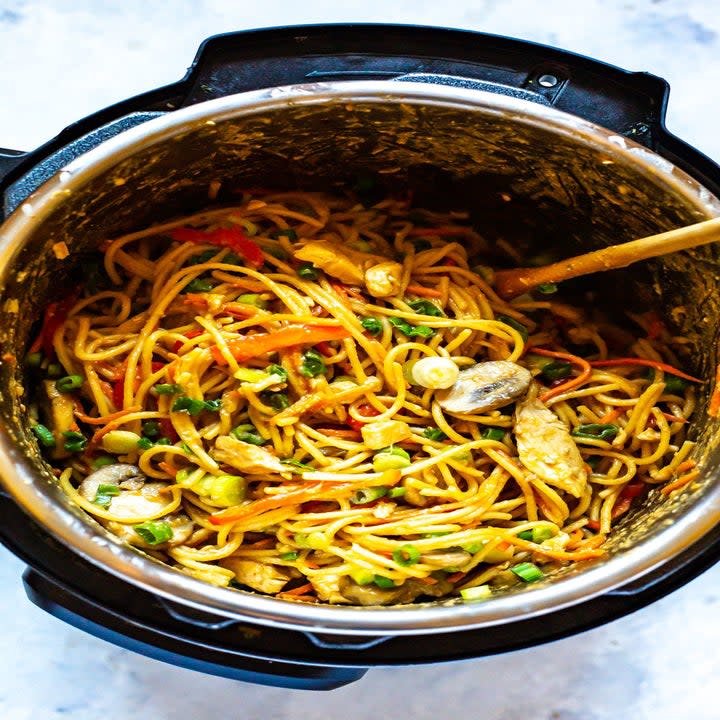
(68, 383)
(556, 370)
(383, 582)
(363, 496)
(425, 307)
(248, 433)
(406, 555)
(411, 330)
(312, 364)
(74, 441)
(596, 431)
(433, 433)
(528, 572)
(154, 532)
(104, 495)
(511, 322)
(493, 433)
(167, 389)
(307, 271)
(44, 435)
(372, 325)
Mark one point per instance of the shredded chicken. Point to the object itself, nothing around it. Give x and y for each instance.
(245, 457)
(405, 593)
(258, 576)
(327, 588)
(344, 263)
(546, 448)
(380, 434)
(384, 279)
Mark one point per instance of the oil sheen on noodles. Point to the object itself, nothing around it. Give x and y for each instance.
(327, 402)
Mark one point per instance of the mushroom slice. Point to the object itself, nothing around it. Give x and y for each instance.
(546, 448)
(181, 525)
(446, 558)
(485, 386)
(109, 475)
(327, 588)
(250, 459)
(258, 576)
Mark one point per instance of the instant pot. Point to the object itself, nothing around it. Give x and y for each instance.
(545, 148)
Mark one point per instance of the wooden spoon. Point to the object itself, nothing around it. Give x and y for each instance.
(511, 283)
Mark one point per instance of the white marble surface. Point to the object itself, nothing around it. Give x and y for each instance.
(62, 60)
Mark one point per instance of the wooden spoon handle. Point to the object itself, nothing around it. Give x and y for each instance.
(511, 283)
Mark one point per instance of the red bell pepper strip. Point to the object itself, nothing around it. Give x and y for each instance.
(251, 346)
(366, 410)
(189, 335)
(232, 238)
(55, 316)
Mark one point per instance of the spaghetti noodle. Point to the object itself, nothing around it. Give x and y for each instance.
(324, 401)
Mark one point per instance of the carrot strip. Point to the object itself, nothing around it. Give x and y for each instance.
(615, 362)
(455, 577)
(239, 310)
(683, 466)
(714, 407)
(680, 482)
(611, 415)
(80, 415)
(583, 377)
(168, 468)
(262, 544)
(302, 590)
(339, 432)
(431, 580)
(423, 291)
(673, 418)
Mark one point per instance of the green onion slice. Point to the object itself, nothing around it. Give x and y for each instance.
(105, 494)
(154, 532)
(373, 325)
(406, 555)
(68, 383)
(515, 325)
(528, 572)
(312, 364)
(596, 431)
(44, 435)
(366, 495)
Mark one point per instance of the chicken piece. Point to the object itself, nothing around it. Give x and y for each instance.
(377, 435)
(383, 280)
(327, 588)
(262, 577)
(485, 386)
(405, 593)
(57, 409)
(136, 499)
(343, 263)
(250, 459)
(546, 448)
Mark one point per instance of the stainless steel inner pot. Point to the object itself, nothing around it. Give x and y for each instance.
(527, 173)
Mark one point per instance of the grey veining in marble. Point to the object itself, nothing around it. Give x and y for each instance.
(59, 61)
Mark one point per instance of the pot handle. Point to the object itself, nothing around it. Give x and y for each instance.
(9, 160)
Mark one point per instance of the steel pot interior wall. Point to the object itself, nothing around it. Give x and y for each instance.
(535, 184)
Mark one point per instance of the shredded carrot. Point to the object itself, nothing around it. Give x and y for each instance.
(611, 415)
(673, 418)
(621, 507)
(339, 432)
(583, 377)
(680, 482)
(80, 415)
(455, 577)
(196, 300)
(168, 468)
(432, 581)
(302, 590)
(645, 363)
(312, 565)
(423, 291)
(593, 541)
(714, 407)
(262, 544)
(683, 466)
(240, 310)
(112, 425)
(593, 524)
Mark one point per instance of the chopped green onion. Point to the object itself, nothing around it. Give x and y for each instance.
(301, 540)
(528, 572)
(307, 271)
(537, 534)
(34, 359)
(224, 490)
(473, 548)
(195, 407)
(154, 532)
(493, 433)
(366, 495)
(151, 428)
(186, 448)
(383, 582)
(547, 288)
(593, 461)
(289, 556)
(287, 232)
(203, 257)
(433, 433)
(556, 370)
(197, 286)
(167, 389)
(406, 555)
(312, 364)
(372, 325)
(425, 307)
(411, 330)
(68, 383)
(102, 461)
(276, 400)
(252, 299)
(397, 492)
(105, 494)
(54, 370)
(390, 458)
(596, 431)
(300, 466)
(120, 442)
(145, 443)
(515, 325)
(361, 576)
(674, 384)
(249, 434)
(278, 370)
(480, 592)
(75, 441)
(44, 435)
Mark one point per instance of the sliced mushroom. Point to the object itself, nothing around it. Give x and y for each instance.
(546, 447)
(485, 386)
(57, 411)
(250, 459)
(258, 576)
(135, 500)
(327, 588)
(405, 593)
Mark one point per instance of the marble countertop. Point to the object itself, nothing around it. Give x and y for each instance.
(61, 61)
